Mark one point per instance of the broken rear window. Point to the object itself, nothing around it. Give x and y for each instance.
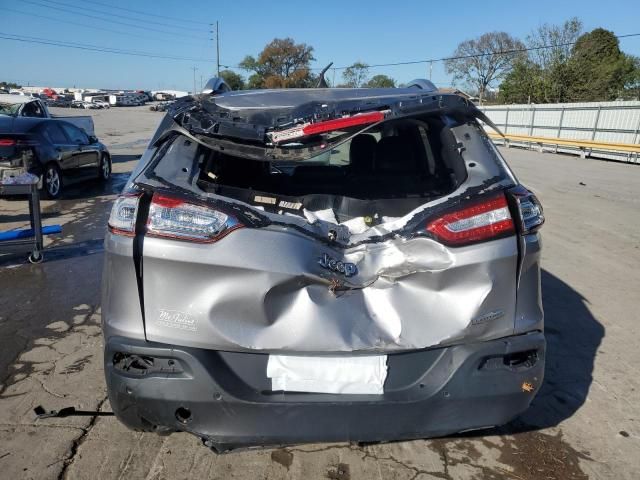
(398, 159)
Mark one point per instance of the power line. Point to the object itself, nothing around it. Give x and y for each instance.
(33, 2)
(126, 17)
(85, 25)
(95, 48)
(147, 14)
(476, 55)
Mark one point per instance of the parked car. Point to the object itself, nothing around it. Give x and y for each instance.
(100, 103)
(57, 151)
(297, 265)
(59, 102)
(85, 105)
(23, 106)
(160, 107)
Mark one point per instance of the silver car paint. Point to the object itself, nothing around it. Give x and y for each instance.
(264, 290)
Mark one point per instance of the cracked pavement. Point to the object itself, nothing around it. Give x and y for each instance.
(583, 424)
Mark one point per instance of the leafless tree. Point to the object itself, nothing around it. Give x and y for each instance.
(558, 39)
(485, 60)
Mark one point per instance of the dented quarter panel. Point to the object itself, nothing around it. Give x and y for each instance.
(529, 312)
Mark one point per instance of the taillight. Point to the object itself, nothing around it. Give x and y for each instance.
(124, 212)
(172, 217)
(480, 222)
(530, 213)
(7, 142)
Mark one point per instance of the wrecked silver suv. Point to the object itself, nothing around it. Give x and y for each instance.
(306, 265)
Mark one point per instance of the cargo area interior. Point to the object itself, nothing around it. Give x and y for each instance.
(389, 169)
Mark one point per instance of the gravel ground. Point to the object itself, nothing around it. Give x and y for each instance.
(583, 424)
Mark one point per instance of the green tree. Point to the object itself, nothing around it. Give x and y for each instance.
(483, 61)
(233, 79)
(355, 75)
(523, 84)
(281, 64)
(380, 81)
(9, 85)
(632, 83)
(599, 70)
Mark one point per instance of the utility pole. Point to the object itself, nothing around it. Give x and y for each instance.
(430, 69)
(218, 47)
(217, 39)
(194, 79)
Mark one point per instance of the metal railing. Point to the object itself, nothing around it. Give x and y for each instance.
(608, 130)
(585, 148)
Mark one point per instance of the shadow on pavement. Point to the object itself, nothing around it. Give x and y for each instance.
(573, 337)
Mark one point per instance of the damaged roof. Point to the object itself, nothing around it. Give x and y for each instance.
(271, 117)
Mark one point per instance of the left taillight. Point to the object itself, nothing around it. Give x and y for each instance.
(486, 220)
(171, 217)
(122, 220)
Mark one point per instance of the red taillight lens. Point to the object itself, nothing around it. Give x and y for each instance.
(7, 142)
(175, 218)
(477, 223)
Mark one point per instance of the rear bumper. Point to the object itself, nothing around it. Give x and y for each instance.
(224, 397)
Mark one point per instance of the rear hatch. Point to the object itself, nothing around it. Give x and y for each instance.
(323, 221)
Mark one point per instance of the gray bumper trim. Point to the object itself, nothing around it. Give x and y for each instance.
(446, 390)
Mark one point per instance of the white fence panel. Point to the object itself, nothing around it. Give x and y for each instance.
(617, 122)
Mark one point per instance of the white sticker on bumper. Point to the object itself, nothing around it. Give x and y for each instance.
(342, 375)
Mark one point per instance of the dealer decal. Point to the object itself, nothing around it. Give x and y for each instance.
(179, 320)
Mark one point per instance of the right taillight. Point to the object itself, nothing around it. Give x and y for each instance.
(485, 220)
(530, 215)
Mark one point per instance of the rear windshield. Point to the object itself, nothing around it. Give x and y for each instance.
(414, 157)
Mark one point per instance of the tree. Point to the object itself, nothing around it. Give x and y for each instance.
(523, 84)
(485, 60)
(598, 68)
(632, 82)
(355, 75)
(380, 81)
(9, 85)
(558, 37)
(233, 79)
(551, 49)
(281, 64)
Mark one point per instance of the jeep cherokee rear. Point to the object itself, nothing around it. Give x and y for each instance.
(322, 265)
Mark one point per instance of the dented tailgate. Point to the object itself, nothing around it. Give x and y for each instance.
(267, 290)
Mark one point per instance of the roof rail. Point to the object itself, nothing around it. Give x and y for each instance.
(422, 84)
(215, 86)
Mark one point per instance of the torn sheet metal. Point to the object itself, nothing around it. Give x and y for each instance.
(343, 375)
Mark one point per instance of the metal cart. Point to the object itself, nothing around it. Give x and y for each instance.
(26, 240)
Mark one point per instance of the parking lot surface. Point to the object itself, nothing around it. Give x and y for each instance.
(585, 423)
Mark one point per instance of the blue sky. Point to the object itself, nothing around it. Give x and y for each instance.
(340, 31)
